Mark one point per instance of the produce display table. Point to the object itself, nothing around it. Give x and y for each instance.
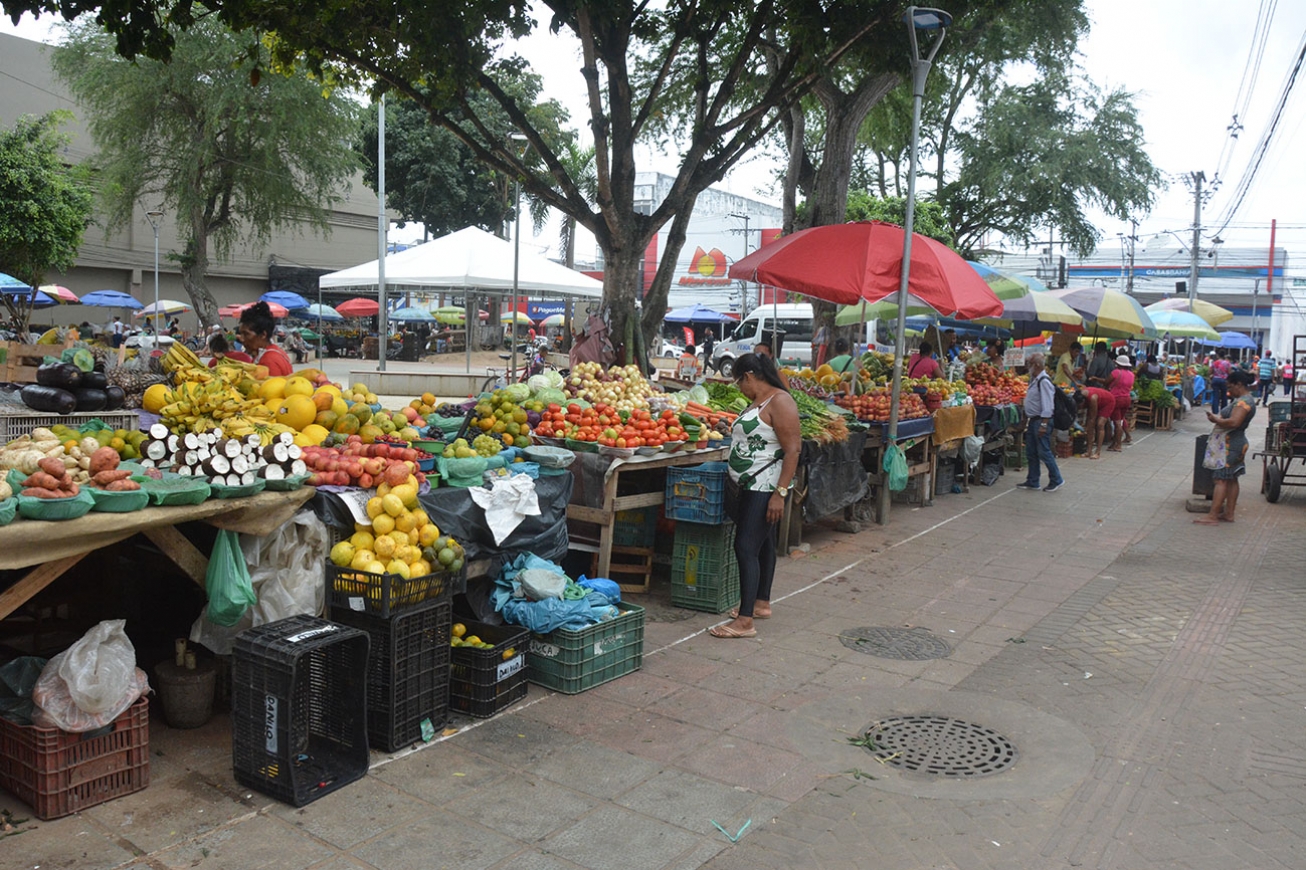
(916, 441)
(54, 547)
(830, 478)
(598, 480)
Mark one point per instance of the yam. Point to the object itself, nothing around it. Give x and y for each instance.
(52, 465)
(124, 485)
(43, 480)
(104, 478)
(36, 492)
(103, 459)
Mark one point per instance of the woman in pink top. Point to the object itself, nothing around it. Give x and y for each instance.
(1219, 380)
(1121, 383)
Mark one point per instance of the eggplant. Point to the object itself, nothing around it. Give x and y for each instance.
(52, 400)
(65, 376)
(90, 400)
(117, 397)
(95, 380)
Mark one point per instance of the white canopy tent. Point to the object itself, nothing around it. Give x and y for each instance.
(468, 259)
(473, 260)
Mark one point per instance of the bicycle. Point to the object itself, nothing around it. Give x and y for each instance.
(536, 363)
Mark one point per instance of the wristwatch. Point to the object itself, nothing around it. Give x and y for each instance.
(783, 490)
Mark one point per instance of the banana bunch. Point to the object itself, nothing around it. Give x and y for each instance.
(180, 358)
(195, 406)
(254, 423)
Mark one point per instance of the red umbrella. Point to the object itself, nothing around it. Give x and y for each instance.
(278, 311)
(846, 263)
(358, 307)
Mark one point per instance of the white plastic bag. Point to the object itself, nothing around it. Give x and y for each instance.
(89, 684)
(285, 568)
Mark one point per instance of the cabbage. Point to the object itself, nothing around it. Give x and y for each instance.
(517, 393)
(698, 394)
(549, 380)
(550, 396)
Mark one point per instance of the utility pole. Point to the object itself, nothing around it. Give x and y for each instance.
(1198, 178)
(743, 285)
(1133, 237)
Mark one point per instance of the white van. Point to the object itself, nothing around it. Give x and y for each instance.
(793, 319)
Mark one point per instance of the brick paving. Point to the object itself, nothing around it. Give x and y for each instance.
(1149, 671)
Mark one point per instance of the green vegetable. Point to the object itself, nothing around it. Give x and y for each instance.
(1150, 390)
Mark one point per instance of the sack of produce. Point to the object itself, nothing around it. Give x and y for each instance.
(88, 685)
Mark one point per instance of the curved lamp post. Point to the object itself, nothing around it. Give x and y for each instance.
(153, 215)
(916, 18)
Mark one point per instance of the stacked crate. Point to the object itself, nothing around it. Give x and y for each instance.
(704, 572)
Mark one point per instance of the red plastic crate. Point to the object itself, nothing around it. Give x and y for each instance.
(58, 773)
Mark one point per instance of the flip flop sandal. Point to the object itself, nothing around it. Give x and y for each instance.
(725, 631)
(733, 613)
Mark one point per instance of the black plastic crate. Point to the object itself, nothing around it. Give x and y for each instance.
(483, 682)
(637, 527)
(385, 595)
(407, 671)
(299, 708)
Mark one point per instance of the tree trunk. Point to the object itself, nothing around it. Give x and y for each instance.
(655, 303)
(194, 270)
(623, 283)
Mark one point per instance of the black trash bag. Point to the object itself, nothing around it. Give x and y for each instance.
(836, 477)
(16, 681)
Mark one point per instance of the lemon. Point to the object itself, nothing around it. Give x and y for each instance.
(362, 558)
(385, 547)
(419, 568)
(428, 534)
(342, 554)
(362, 540)
(405, 522)
(397, 567)
(459, 629)
(393, 505)
(374, 508)
(420, 516)
(375, 567)
(509, 653)
(407, 494)
(383, 524)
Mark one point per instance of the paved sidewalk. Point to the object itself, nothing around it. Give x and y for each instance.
(1148, 673)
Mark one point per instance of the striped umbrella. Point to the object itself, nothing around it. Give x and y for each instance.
(1005, 285)
(1183, 324)
(1208, 311)
(1035, 312)
(60, 294)
(1108, 312)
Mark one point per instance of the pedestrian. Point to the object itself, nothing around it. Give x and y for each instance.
(764, 450)
(1100, 407)
(1121, 386)
(118, 331)
(1070, 367)
(709, 345)
(1100, 367)
(1265, 370)
(1220, 370)
(1232, 423)
(295, 344)
(1286, 375)
(255, 331)
(1039, 404)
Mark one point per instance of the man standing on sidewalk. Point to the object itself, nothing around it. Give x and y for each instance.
(1039, 404)
(1265, 368)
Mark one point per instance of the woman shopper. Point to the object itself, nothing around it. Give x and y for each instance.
(1233, 421)
(1121, 385)
(255, 331)
(764, 449)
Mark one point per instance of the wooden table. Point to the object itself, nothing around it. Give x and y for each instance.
(604, 515)
(919, 449)
(51, 548)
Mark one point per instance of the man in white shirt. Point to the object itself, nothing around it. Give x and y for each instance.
(117, 331)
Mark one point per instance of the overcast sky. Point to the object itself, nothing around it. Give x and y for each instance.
(1183, 59)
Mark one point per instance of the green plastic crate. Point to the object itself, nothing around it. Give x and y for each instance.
(637, 527)
(704, 572)
(572, 661)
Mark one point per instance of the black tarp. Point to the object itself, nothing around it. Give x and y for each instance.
(835, 476)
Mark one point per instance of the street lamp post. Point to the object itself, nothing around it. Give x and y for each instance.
(154, 215)
(517, 138)
(916, 18)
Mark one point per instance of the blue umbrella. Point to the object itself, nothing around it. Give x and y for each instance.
(111, 299)
(1230, 339)
(11, 286)
(696, 313)
(319, 312)
(412, 314)
(286, 299)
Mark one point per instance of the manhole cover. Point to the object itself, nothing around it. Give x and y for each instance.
(940, 746)
(905, 644)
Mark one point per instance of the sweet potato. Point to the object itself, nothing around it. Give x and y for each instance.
(39, 492)
(103, 459)
(41, 480)
(104, 478)
(123, 485)
(52, 465)
(71, 488)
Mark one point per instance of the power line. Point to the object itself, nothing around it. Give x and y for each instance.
(1251, 71)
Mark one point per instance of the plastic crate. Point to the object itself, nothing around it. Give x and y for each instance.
(481, 681)
(572, 661)
(299, 708)
(637, 527)
(57, 773)
(13, 425)
(1280, 411)
(704, 571)
(697, 494)
(407, 672)
(384, 595)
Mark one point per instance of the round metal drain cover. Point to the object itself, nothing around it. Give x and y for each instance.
(940, 746)
(905, 644)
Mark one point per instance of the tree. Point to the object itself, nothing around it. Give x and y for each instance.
(443, 55)
(45, 207)
(232, 145)
(1039, 155)
(928, 220)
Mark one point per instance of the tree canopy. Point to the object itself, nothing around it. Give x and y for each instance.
(45, 206)
(229, 144)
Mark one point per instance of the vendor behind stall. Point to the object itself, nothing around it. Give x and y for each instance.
(922, 363)
(255, 331)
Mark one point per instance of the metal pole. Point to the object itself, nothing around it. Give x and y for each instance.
(1198, 178)
(516, 263)
(382, 228)
(920, 70)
